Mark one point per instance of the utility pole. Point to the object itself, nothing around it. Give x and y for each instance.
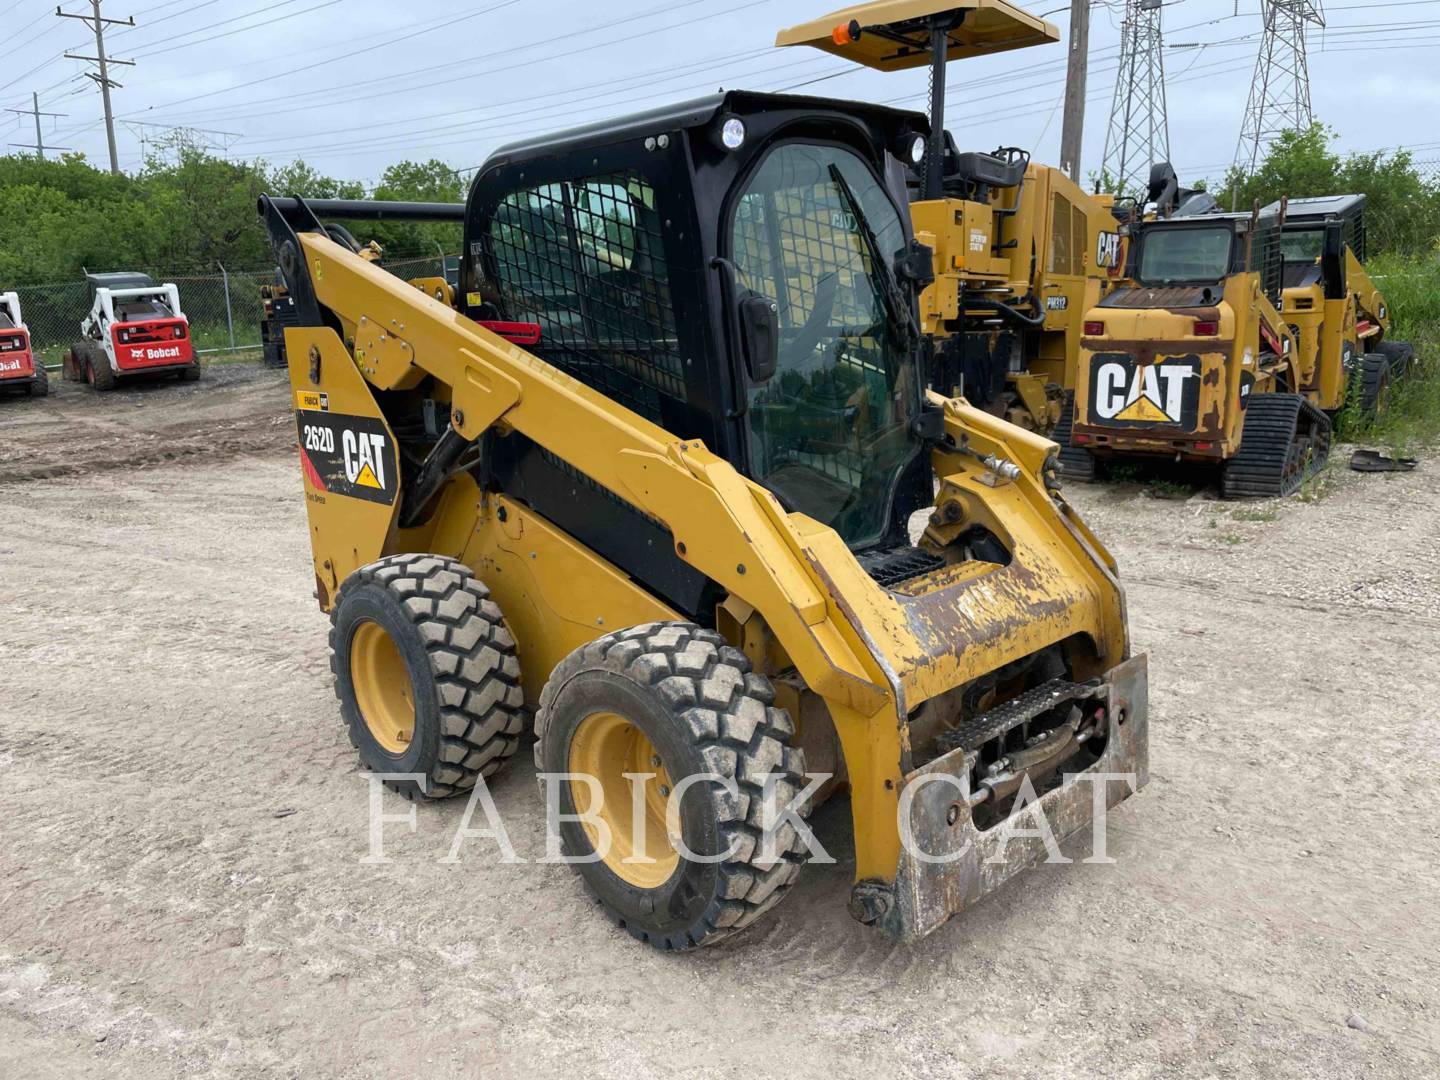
(1139, 132)
(1280, 92)
(34, 111)
(1073, 131)
(97, 23)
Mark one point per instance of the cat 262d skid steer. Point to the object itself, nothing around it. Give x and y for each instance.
(650, 471)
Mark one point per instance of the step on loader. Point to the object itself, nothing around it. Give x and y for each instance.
(1021, 252)
(663, 474)
(20, 368)
(135, 329)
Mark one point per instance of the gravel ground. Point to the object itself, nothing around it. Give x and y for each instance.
(182, 823)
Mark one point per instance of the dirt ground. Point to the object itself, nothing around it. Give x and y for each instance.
(182, 821)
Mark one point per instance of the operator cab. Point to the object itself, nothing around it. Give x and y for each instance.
(738, 269)
(1184, 261)
(1314, 237)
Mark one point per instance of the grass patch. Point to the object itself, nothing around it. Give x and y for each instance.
(1411, 286)
(1169, 489)
(1233, 538)
(1318, 485)
(1255, 513)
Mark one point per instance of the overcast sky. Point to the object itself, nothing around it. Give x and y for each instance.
(353, 85)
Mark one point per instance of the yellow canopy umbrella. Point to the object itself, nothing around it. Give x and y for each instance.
(891, 35)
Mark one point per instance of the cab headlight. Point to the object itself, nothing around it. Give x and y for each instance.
(732, 133)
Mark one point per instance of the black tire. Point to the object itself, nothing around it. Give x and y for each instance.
(102, 375)
(464, 675)
(1075, 462)
(1374, 379)
(703, 710)
(1401, 355)
(40, 386)
(190, 373)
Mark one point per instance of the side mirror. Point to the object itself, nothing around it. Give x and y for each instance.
(759, 336)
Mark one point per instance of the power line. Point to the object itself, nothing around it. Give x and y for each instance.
(34, 110)
(346, 91)
(97, 23)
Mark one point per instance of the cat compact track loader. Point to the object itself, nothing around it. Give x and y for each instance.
(1020, 250)
(1237, 340)
(1191, 359)
(650, 473)
(1338, 316)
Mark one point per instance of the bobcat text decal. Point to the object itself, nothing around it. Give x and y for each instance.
(1123, 392)
(348, 455)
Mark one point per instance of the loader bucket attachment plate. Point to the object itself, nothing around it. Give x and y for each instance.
(959, 863)
(989, 26)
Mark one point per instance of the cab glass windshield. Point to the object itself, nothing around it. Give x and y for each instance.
(829, 433)
(1175, 256)
(1303, 246)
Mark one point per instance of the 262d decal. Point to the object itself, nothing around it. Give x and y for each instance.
(348, 455)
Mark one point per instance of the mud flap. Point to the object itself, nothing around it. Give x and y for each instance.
(951, 864)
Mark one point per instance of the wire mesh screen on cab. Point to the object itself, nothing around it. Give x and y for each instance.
(585, 260)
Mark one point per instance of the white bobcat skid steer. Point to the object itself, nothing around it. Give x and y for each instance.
(135, 327)
(20, 369)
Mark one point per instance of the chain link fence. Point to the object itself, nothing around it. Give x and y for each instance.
(224, 309)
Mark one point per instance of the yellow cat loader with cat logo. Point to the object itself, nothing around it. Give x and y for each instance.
(645, 481)
(1191, 360)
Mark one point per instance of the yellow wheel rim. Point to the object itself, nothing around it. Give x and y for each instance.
(382, 687)
(642, 852)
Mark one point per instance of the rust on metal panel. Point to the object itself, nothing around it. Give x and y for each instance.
(950, 863)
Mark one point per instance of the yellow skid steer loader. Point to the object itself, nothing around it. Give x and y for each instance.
(663, 471)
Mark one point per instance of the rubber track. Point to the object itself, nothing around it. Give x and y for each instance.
(1076, 463)
(477, 672)
(1269, 463)
(1376, 371)
(728, 713)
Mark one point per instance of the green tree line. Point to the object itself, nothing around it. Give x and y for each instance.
(1402, 209)
(185, 212)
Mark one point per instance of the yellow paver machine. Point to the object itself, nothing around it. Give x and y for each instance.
(662, 475)
(1020, 251)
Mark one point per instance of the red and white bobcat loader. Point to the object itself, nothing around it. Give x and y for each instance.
(19, 369)
(135, 327)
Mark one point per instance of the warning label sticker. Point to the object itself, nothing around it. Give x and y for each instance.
(348, 455)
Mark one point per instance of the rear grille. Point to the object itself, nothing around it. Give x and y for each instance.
(897, 565)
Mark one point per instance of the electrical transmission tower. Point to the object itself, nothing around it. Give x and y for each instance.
(1139, 133)
(1280, 92)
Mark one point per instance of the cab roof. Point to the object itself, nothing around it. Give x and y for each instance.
(120, 280)
(695, 113)
(1239, 221)
(988, 26)
(1318, 208)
